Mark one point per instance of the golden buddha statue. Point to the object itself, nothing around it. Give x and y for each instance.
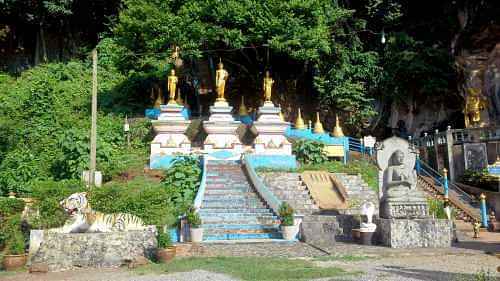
(243, 109)
(172, 86)
(475, 103)
(221, 76)
(268, 87)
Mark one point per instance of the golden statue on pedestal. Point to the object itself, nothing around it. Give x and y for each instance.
(474, 104)
(172, 86)
(268, 87)
(220, 82)
(243, 111)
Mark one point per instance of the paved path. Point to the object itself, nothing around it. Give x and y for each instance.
(380, 263)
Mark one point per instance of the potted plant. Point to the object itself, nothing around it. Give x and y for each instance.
(14, 255)
(288, 227)
(195, 230)
(166, 251)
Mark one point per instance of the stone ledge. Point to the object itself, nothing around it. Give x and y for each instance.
(414, 233)
(63, 251)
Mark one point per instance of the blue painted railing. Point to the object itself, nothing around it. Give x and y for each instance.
(201, 190)
(272, 201)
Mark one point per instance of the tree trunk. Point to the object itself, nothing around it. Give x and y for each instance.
(43, 47)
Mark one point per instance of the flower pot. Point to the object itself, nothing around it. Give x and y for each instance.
(12, 262)
(166, 254)
(356, 234)
(196, 235)
(366, 237)
(289, 232)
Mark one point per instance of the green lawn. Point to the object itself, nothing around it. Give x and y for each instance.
(249, 268)
(367, 170)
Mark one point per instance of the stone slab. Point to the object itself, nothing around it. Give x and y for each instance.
(319, 230)
(414, 233)
(64, 251)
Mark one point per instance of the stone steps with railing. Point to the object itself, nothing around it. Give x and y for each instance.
(232, 209)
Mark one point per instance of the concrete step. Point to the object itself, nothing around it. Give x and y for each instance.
(241, 236)
(241, 220)
(250, 211)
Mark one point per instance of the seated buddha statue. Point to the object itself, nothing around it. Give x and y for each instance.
(401, 180)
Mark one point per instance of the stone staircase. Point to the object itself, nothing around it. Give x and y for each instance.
(288, 187)
(357, 191)
(232, 209)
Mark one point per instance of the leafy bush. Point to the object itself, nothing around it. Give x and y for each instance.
(47, 195)
(286, 214)
(193, 218)
(164, 240)
(10, 206)
(146, 199)
(436, 209)
(309, 152)
(182, 180)
(12, 237)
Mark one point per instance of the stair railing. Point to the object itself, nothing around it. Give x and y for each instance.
(424, 169)
(201, 190)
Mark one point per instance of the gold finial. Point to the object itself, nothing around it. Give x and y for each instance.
(318, 127)
(299, 123)
(243, 109)
(179, 98)
(337, 131)
(445, 172)
(482, 196)
(282, 118)
(159, 98)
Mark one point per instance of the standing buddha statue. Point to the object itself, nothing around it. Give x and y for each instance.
(221, 76)
(172, 86)
(268, 86)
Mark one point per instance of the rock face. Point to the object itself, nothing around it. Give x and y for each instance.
(414, 233)
(63, 251)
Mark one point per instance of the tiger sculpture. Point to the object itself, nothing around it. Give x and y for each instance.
(84, 219)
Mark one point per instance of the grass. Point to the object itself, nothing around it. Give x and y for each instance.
(344, 258)
(249, 268)
(367, 170)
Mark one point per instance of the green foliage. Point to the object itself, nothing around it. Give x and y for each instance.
(309, 152)
(45, 124)
(436, 209)
(142, 197)
(193, 218)
(47, 195)
(286, 214)
(367, 170)
(482, 179)
(164, 240)
(10, 206)
(182, 180)
(11, 235)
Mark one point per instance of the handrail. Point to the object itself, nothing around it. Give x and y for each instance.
(425, 169)
(201, 190)
(272, 201)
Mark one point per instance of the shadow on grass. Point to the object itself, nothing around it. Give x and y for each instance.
(249, 268)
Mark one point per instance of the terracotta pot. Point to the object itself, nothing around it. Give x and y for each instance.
(166, 254)
(356, 234)
(289, 232)
(366, 237)
(13, 262)
(196, 234)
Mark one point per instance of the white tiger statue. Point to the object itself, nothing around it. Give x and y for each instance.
(84, 219)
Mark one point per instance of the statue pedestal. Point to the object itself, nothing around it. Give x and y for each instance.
(271, 139)
(170, 138)
(222, 136)
(415, 233)
(404, 208)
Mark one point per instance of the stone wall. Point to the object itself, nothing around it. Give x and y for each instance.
(63, 251)
(320, 230)
(414, 233)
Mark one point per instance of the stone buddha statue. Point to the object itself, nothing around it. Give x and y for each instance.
(401, 180)
(399, 195)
